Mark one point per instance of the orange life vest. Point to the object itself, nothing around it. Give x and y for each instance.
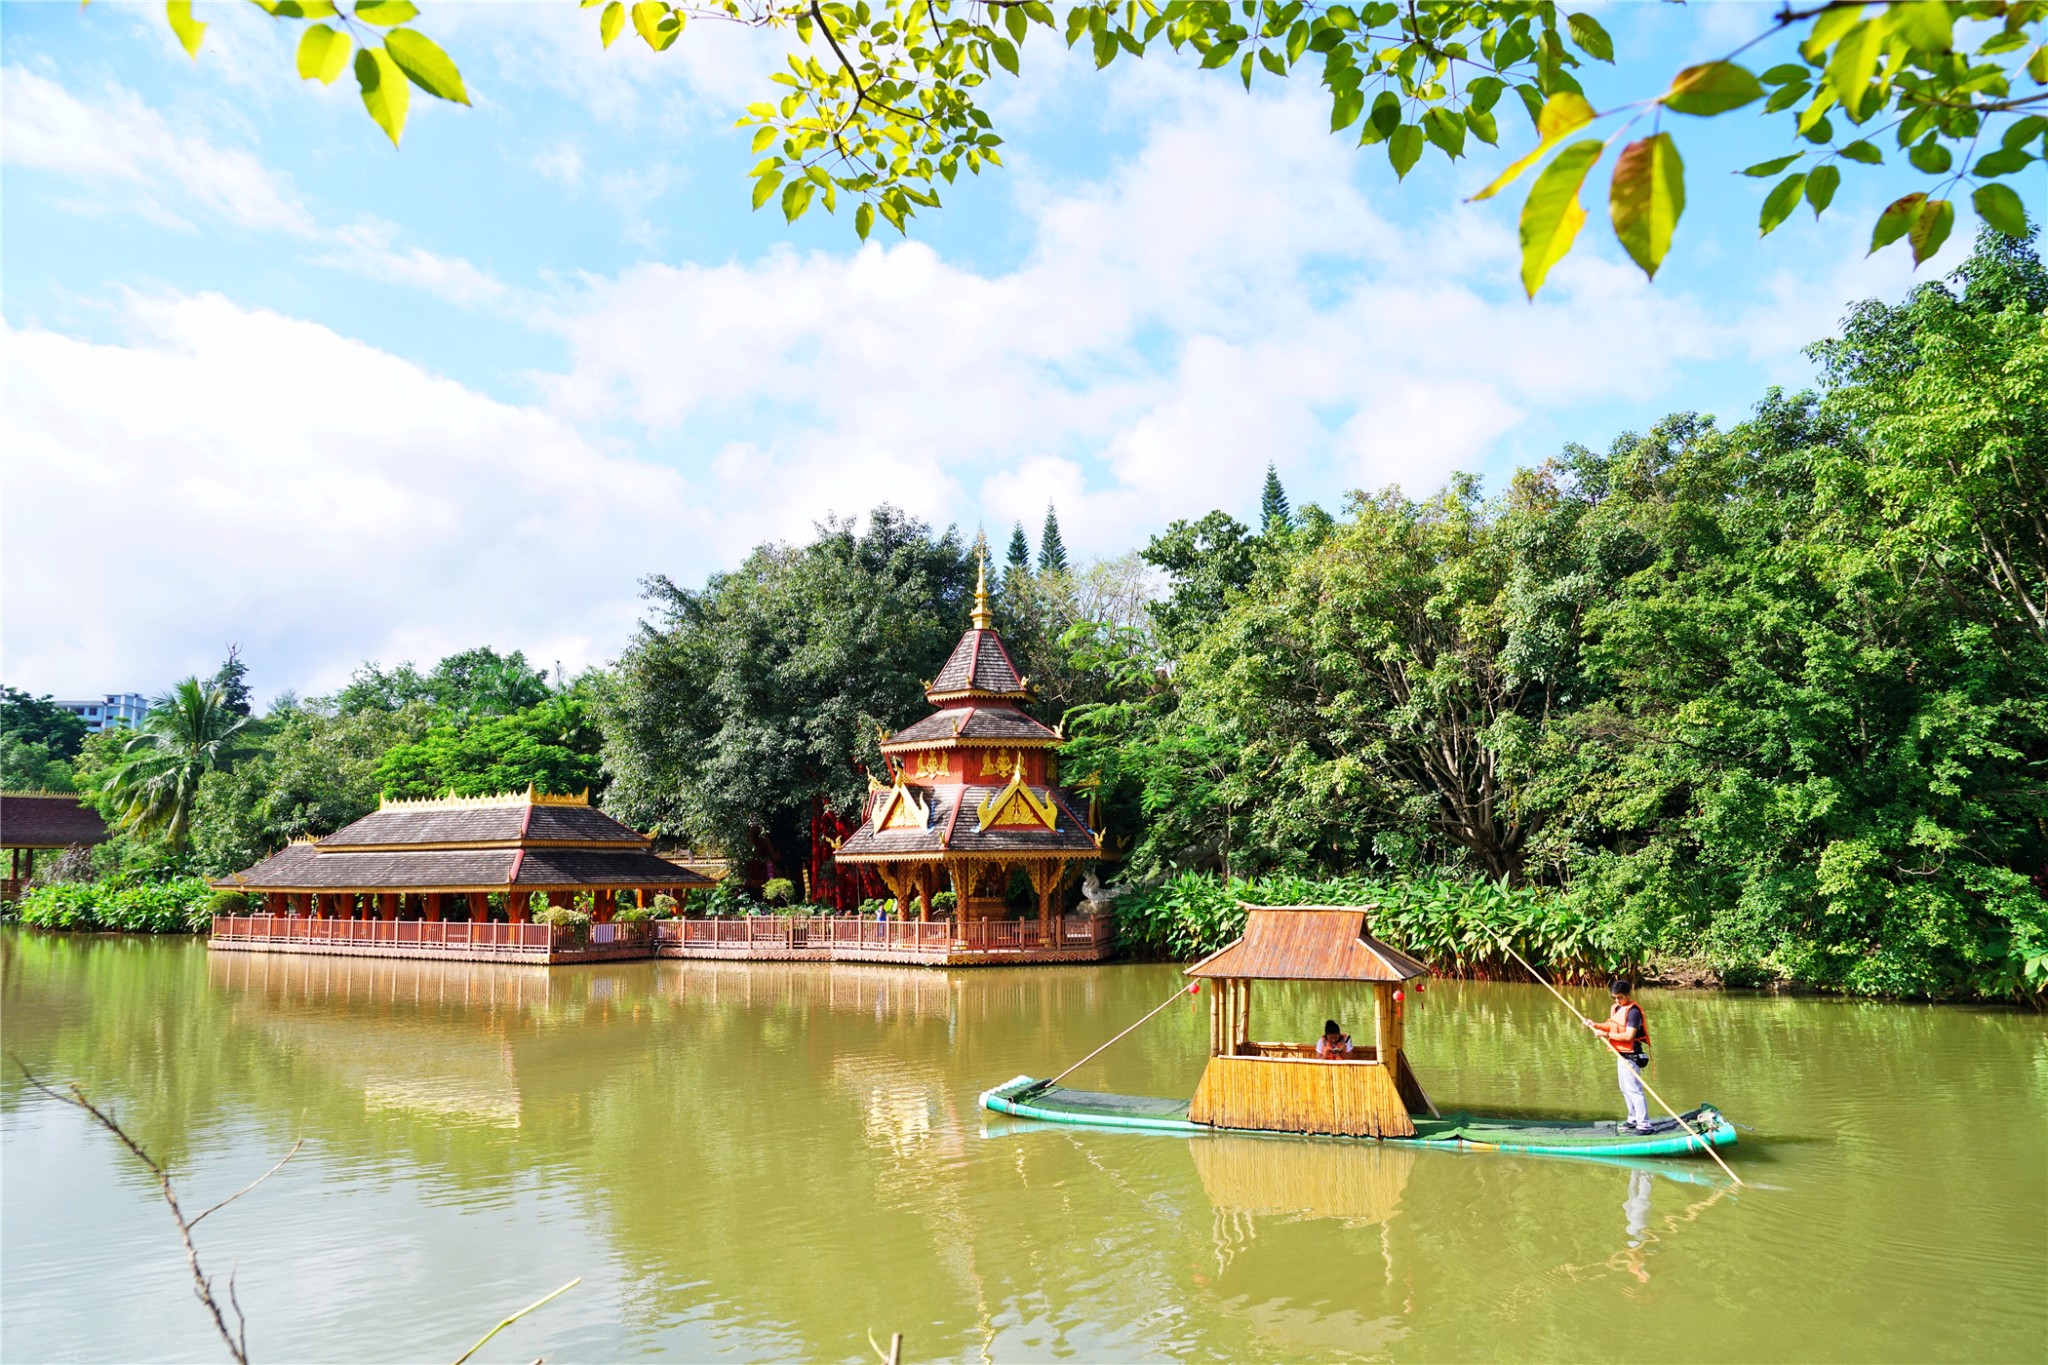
(1617, 1019)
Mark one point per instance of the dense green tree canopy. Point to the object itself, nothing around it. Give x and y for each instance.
(552, 747)
(310, 770)
(475, 682)
(39, 720)
(745, 707)
(1775, 694)
(882, 103)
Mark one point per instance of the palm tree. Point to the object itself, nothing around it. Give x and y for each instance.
(190, 730)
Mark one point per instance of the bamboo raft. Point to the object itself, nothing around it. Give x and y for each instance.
(1368, 1092)
(1467, 1132)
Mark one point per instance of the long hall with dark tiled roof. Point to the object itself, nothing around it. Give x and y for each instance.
(454, 874)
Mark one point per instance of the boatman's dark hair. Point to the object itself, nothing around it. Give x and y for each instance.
(1330, 1026)
(1621, 985)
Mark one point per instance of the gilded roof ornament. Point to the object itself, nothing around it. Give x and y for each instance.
(983, 618)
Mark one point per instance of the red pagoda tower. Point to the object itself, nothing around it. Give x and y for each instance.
(974, 795)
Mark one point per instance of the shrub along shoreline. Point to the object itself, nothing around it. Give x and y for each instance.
(1457, 926)
(179, 905)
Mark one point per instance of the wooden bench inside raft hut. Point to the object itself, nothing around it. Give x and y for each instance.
(1283, 1087)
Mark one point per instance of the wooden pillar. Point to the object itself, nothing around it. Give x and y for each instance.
(433, 904)
(387, 906)
(479, 906)
(603, 904)
(518, 907)
(1386, 1030)
(16, 874)
(926, 876)
(31, 860)
(277, 903)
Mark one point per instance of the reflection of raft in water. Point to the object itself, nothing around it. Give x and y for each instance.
(1347, 1181)
(1260, 1087)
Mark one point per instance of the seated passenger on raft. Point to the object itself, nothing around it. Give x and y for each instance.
(1335, 1044)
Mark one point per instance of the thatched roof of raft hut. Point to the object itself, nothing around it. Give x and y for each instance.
(1308, 943)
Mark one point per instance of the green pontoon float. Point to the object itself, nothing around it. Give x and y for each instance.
(1259, 1087)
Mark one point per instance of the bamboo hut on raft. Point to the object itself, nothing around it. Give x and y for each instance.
(1285, 1086)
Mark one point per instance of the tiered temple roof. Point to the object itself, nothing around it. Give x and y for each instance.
(523, 842)
(977, 780)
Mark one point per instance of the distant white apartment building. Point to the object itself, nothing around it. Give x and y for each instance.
(115, 708)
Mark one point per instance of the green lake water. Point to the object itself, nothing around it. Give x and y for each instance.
(770, 1162)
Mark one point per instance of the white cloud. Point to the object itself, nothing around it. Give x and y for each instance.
(237, 475)
(1227, 297)
(1240, 288)
(128, 152)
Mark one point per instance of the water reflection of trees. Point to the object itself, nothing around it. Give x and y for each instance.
(792, 1151)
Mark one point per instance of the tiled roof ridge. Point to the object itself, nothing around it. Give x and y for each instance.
(529, 798)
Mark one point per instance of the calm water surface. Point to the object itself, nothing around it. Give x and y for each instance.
(772, 1161)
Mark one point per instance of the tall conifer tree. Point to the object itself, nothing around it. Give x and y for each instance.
(1020, 549)
(1274, 513)
(1052, 551)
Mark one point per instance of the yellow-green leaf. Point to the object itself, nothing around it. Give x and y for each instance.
(1821, 186)
(611, 22)
(189, 30)
(1404, 149)
(2000, 207)
(1779, 203)
(1897, 217)
(765, 186)
(425, 64)
(1562, 113)
(648, 22)
(1712, 88)
(1829, 25)
(1854, 63)
(1552, 217)
(385, 13)
(1773, 166)
(1931, 228)
(864, 220)
(1646, 198)
(1591, 38)
(323, 54)
(385, 91)
(1926, 24)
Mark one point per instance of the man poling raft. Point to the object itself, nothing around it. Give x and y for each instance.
(1368, 1092)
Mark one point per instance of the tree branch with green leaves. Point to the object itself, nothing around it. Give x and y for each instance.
(881, 103)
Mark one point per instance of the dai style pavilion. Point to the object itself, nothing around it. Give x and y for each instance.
(43, 822)
(974, 801)
(976, 798)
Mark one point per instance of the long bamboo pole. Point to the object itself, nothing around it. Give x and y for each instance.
(1177, 994)
(1545, 982)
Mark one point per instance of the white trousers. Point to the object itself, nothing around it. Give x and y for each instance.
(1632, 1089)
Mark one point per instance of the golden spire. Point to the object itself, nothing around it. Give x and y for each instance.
(983, 618)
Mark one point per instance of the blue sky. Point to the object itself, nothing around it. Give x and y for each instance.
(270, 380)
